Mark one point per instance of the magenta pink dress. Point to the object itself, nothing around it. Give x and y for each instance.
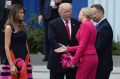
(86, 55)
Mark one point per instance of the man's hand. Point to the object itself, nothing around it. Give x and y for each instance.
(40, 17)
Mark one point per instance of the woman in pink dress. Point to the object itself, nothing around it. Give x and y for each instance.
(86, 56)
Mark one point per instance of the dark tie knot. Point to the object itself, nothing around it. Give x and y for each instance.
(97, 26)
(66, 22)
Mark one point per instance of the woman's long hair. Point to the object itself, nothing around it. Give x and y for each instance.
(13, 20)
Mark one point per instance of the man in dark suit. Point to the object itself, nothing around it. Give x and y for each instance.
(17, 2)
(58, 33)
(2, 6)
(48, 11)
(103, 42)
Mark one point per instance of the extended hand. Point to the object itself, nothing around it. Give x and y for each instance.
(61, 49)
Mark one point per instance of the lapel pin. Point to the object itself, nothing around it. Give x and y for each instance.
(73, 24)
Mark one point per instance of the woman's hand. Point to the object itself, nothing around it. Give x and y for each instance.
(72, 65)
(61, 49)
(13, 71)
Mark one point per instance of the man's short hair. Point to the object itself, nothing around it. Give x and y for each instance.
(64, 5)
(98, 7)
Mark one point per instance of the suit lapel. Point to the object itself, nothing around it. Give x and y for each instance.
(72, 28)
(100, 25)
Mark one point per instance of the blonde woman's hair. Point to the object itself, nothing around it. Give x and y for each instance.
(87, 12)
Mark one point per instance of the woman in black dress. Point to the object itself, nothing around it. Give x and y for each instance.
(16, 64)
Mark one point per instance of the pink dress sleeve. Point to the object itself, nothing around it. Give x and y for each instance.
(82, 37)
(72, 49)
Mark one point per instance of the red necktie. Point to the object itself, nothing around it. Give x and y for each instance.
(67, 28)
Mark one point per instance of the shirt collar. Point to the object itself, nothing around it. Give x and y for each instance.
(101, 20)
(65, 21)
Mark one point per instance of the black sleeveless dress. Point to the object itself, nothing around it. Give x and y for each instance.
(19, 49)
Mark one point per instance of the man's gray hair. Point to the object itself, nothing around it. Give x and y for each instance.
(64, 6)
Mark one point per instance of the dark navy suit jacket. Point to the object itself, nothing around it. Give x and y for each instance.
(104, 46)
(57, 34)
(2, 5)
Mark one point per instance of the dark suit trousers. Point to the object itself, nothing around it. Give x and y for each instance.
(70, 74)
(5, 16)
(2, 23)
(102, 74)
(46, 47)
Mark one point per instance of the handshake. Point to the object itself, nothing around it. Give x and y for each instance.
(61, 49)
(66, 58)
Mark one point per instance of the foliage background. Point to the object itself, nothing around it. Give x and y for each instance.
(116, 48)
(35, 40)
(35, 35)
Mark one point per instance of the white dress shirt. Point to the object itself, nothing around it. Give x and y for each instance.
(69, 24)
